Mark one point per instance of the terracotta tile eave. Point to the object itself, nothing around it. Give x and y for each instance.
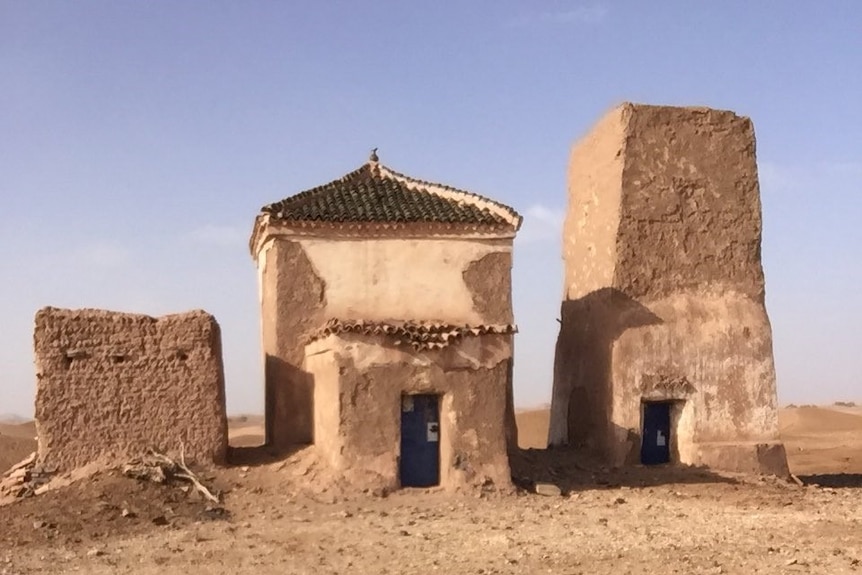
(267, 227)
(419, 335)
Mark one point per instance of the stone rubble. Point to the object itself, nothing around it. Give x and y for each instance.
(25, 479)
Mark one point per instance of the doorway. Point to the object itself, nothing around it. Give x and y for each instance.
(655, 442)
(419, 465)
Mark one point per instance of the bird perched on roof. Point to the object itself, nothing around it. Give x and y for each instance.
(373, 157)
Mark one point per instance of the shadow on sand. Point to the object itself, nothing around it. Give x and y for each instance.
(571, 470)
(256, 455)
(851, 480)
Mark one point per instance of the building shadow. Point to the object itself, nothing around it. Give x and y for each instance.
(288, 416)
(258, 455)
(572, 470)
(834, 480)
(288, 405)
(583, 364)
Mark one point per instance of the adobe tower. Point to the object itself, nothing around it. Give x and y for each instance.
(665, 348)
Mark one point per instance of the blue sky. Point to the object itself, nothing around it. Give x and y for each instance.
(139, 140)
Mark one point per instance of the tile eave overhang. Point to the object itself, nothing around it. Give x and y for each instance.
(266, 227)
(419, 335)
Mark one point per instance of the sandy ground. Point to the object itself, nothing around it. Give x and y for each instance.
(17, 441)
(246, 430)
(277, 519)
(822, 440)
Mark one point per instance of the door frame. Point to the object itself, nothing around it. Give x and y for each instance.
(673, 416)
(438, 401)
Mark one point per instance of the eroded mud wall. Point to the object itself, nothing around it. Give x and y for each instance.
(111, 385)
(664, 283)
(360, 381)
(293, 300)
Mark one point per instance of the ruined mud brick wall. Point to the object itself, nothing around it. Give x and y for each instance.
(111, 385)
(305, 281)
(359, 383)
(664, 291)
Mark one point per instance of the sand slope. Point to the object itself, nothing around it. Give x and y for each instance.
(533, 428)
(810, 420)
(26, 430)
(17, 441)
(245, 430)
(822, 439)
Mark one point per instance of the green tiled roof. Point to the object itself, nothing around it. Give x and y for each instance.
(376, 194)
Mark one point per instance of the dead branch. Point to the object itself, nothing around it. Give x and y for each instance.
(159, 468)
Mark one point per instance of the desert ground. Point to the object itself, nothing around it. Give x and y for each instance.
(279, 517)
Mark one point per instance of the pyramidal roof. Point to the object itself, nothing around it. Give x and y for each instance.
(378, 195)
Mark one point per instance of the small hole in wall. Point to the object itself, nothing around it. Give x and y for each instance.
(746, 333)
(182, 356)
(73, 355)
(117, 358)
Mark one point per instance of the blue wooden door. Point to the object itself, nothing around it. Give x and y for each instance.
(420, 441)
(655, 446)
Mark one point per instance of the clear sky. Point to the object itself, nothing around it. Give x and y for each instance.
(139, 139)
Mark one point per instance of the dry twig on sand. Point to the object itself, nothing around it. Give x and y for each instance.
(159, 468)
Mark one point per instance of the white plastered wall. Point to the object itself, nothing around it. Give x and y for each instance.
(395, 278)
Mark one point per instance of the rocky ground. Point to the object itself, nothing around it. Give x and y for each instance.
(710, 524)
(640, 520)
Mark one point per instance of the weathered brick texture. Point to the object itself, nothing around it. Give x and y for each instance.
(110, 385)
(664, 291)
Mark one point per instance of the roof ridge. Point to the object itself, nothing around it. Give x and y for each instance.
(452, 193)
(374, 193)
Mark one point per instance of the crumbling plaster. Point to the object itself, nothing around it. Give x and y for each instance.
(359, 382)
(307, 279)
(406, 278)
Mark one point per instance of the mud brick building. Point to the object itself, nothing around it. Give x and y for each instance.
(665, 348)
(112, 385)
(387, 328)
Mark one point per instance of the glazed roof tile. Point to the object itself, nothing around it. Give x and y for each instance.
(375, 194)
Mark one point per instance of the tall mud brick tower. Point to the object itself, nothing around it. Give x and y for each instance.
(665, 348)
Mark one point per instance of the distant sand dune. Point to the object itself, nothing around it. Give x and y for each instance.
(25, 430)
(245, 430)
(533, 428)
(810, 420)
(17, 441)
(247, 436)
(822, 439)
